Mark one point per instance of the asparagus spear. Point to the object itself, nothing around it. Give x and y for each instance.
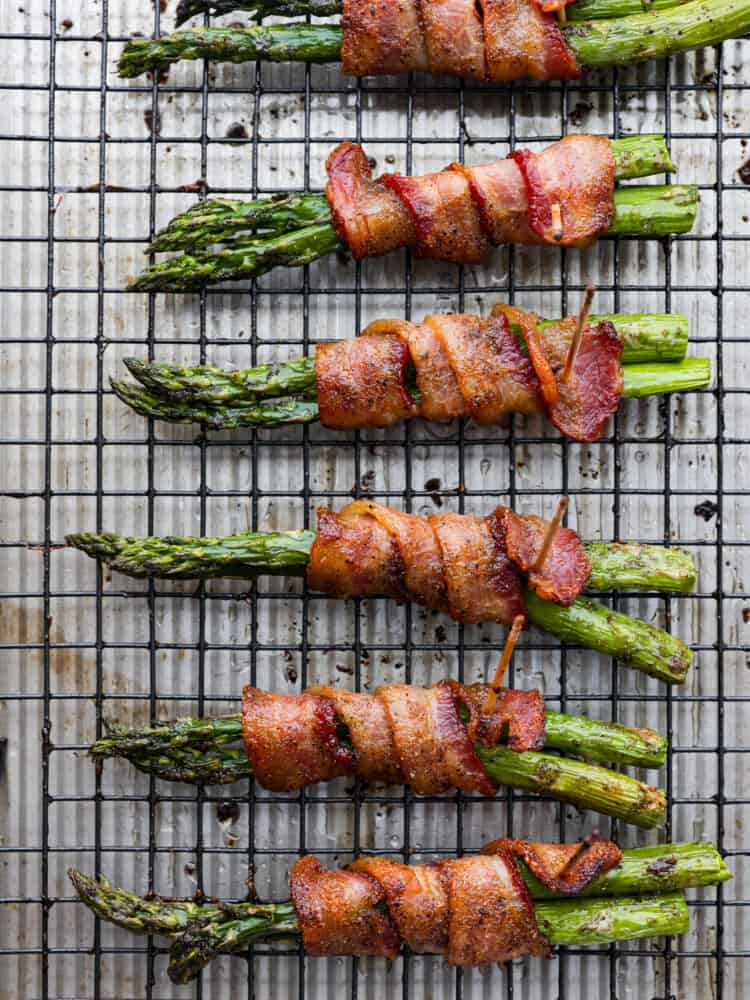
(205, 751)
(257, 236)
(606, 911)
(189, 406)
(249, 554)
(614, 40)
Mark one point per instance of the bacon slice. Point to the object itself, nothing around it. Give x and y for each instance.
(494, 376)
(499, 192)
(341, 913)
(446, 221)
(362, 382)
(417, 901)
(481, 581)
(517, 715)
(491, 913)
(353, 557)
(454, 38)
(368, 216)
(292, 740)
(569, 189)
(592, 392)
(440, 397)
(381, 37)
(566, 567)
(433, 747)
(563, 196)
(565, 869)
(524, 40)
(528, 323)
(420, 558)
(370, 733)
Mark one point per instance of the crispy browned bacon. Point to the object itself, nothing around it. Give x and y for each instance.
(466, 366)
(500, 40)
(563, 196)
(469, 567)
(474, 910)
(399, 735)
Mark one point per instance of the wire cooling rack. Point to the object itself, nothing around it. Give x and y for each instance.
(92, 166)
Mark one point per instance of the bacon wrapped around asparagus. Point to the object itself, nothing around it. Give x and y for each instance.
(473, 737)
(563, 196)
(494, 40)
(517, 898)
(445, 367)
(491, 568)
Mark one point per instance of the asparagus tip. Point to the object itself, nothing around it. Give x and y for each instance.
(103, 547)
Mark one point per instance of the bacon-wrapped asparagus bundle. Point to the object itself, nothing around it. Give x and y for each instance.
(445, 367)
(475, 569)
(494, 40)
(473, 737)
(515, 899)
(564, 196)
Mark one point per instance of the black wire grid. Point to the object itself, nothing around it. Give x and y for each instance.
(80, 645)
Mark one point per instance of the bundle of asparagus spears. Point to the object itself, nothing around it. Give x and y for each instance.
(640, 897)
(228, 240)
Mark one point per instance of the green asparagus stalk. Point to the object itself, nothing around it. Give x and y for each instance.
(248, 554)
(205, 751)
(613, 40)
(191, 403)
(606, 911)
(650, 211)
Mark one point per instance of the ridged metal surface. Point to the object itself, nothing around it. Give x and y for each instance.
(91, 166)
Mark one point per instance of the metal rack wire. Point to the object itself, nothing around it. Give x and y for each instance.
(93, 166)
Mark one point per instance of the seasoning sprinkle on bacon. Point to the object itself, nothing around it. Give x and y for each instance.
(498, 40)
(474, 910)
(563, 196)
(399, 735)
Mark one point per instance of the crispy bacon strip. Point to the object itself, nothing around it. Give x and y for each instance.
(569, 189)
(340, 912)
(474, 910)
(292, 740)
(591, 393)
(368, 216)
(565, 869)
(528, 324)
(381, 37)
(500, 40)
(563, 196)
(446, 222)
(493, 374)
(491, 913)
(566, 566)
(399, 735)
(362, 382)
(523, 39)
(463, 565)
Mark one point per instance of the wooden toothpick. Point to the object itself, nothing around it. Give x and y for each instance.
(580, 327)
(510, 644)
(549, 536)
